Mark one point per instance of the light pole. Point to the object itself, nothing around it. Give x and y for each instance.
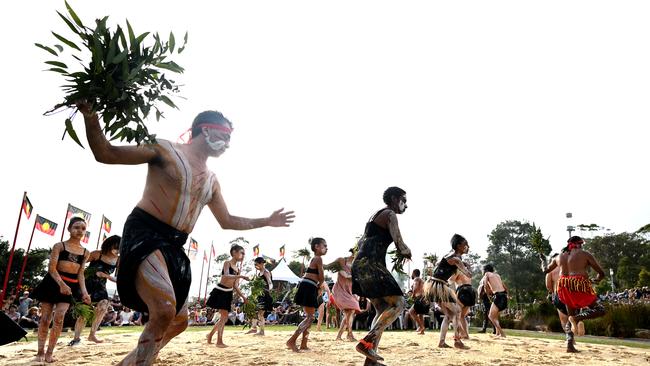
(570, 228)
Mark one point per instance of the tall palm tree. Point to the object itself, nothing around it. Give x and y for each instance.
(305, 254)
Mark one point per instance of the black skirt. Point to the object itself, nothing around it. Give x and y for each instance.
(421, 305)
(265, 301)
(96, 288)
(371, 279)
(466, 295)
(220, 298)
(49, 291)
(307, 294)
(143, 234)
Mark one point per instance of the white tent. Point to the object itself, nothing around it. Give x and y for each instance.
(282, 272)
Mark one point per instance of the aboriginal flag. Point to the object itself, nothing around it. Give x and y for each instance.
(86, 237)
(205, 257)
(74, 211)
(107, 224)
(27, 207)
(282, 251)
(256, 250)
(45, 225)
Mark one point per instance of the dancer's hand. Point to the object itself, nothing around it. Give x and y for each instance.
(102, 274)
(245, 278)
(65, 289)
(85, 108)
(281, 219)
(406, 252)
(86, 298)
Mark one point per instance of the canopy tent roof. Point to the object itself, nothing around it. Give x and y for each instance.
(282, 272)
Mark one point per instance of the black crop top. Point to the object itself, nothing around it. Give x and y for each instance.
(231, 271)
(444, 270)
(312, 270)
(64, 255)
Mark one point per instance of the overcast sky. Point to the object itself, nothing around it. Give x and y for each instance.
(481, 111)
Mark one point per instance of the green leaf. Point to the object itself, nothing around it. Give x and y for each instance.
(74, 15)
(59, 47)
(120, 56)
(119, 33)
(70, 130)
(171, 66)
(56, 69)
(69, 23)
(111, 50)
(57, 64)
(131, 34)
(172, 42)
(168, 101)
(46, 48)
(141, 38)
(70, 44)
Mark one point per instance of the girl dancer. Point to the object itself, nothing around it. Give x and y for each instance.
(63, 284)
(102, 264)
(221, 296)
(345, 300)
(308, 292)
(371, 278)
(264, 301)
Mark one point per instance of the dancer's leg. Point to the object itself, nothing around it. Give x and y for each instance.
(302, 327)
(223, 317)
(59, 314)
(78, 328)
(388, 309)
(43, 328)
(100, 311)
(494, 318)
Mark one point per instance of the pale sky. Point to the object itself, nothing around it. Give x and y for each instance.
(481, 111)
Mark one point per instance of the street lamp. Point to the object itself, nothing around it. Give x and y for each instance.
(570, 228)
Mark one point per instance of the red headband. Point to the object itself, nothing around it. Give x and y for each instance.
(574, 245)
(218, 127)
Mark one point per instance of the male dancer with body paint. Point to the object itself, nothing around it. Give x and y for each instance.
(552, 279)
(495, 286)
(154, 271)
(420, 304)
(574, 286)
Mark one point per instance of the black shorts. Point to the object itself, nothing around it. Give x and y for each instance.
(220, 298)
(466, 295)
(307, 294)
(49, 291)
(421, 305)
(559, 305)
(265, 301)
(143, 234)
(500, 300)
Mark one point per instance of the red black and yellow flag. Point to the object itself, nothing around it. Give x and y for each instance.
(282, 251)
(107, 224)
(27, 207)
(74, 211)
(86, 237)
(256, 250)
(45, 225)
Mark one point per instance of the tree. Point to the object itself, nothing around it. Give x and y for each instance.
(627, 273)
(644, 278)
(609, 250)
(514, 258)
(35, 269)
(295, 267)
(305, 254)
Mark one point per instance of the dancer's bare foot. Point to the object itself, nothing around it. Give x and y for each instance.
(581, 329)
(460, 345)
(304, 348)
(292, 345)
(259, 334)
(338, 338)
(221, 345)
(49, 358)
(366, 348)
(95, 339)
(443, 345)
(570, 348)
(350, 338)
(421, 332)
(209, 337)
(251, 331)
(39, 358)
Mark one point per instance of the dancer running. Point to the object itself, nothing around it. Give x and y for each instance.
(371, 278)
(437, 290)
(495, 286)
(102, 264)
(466, 297)
(154, 272)
(574, 286)
(345, 300)
(552, 279)
(307, 293)
(221, 296)
(63, 284)
(265, 300)
(486, 304)
(420, 304)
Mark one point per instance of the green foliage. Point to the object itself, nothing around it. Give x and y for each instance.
(621, 320)
(35, 269)
(305, 254)
(119, 75)
(79, 309)
(256, 287)
(610, 250)
(398, 259)
(295, 267)
(514, 258)
(603, 287)
(538, 243)
(627, 273)
(644, 278)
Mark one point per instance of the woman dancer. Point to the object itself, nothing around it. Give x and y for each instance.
(221, 296)
(308, 292)
(265, 300)
(102, 264)
(437, 290)
(371, 278)
(345, 300)
(63, 284)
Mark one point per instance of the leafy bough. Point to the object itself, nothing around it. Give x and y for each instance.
(120, 77)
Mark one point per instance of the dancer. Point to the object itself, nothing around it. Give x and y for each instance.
(265, 300)
(63, 284)
(420, 305)
(574, 286)
(154, 273)
(371, 278)
(552, 279)
(485, 300)
(308, 292)
(102, 264)
(345, 300)
(495, 286)
(437, 289)
(221, 296)
(466, 297)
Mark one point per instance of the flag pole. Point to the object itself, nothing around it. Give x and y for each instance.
(201, 276)
(65, 222)
(207, 276)
(99, 235)
(22, 269)
(11, 255)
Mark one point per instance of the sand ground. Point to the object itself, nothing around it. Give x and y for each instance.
(398, 348)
